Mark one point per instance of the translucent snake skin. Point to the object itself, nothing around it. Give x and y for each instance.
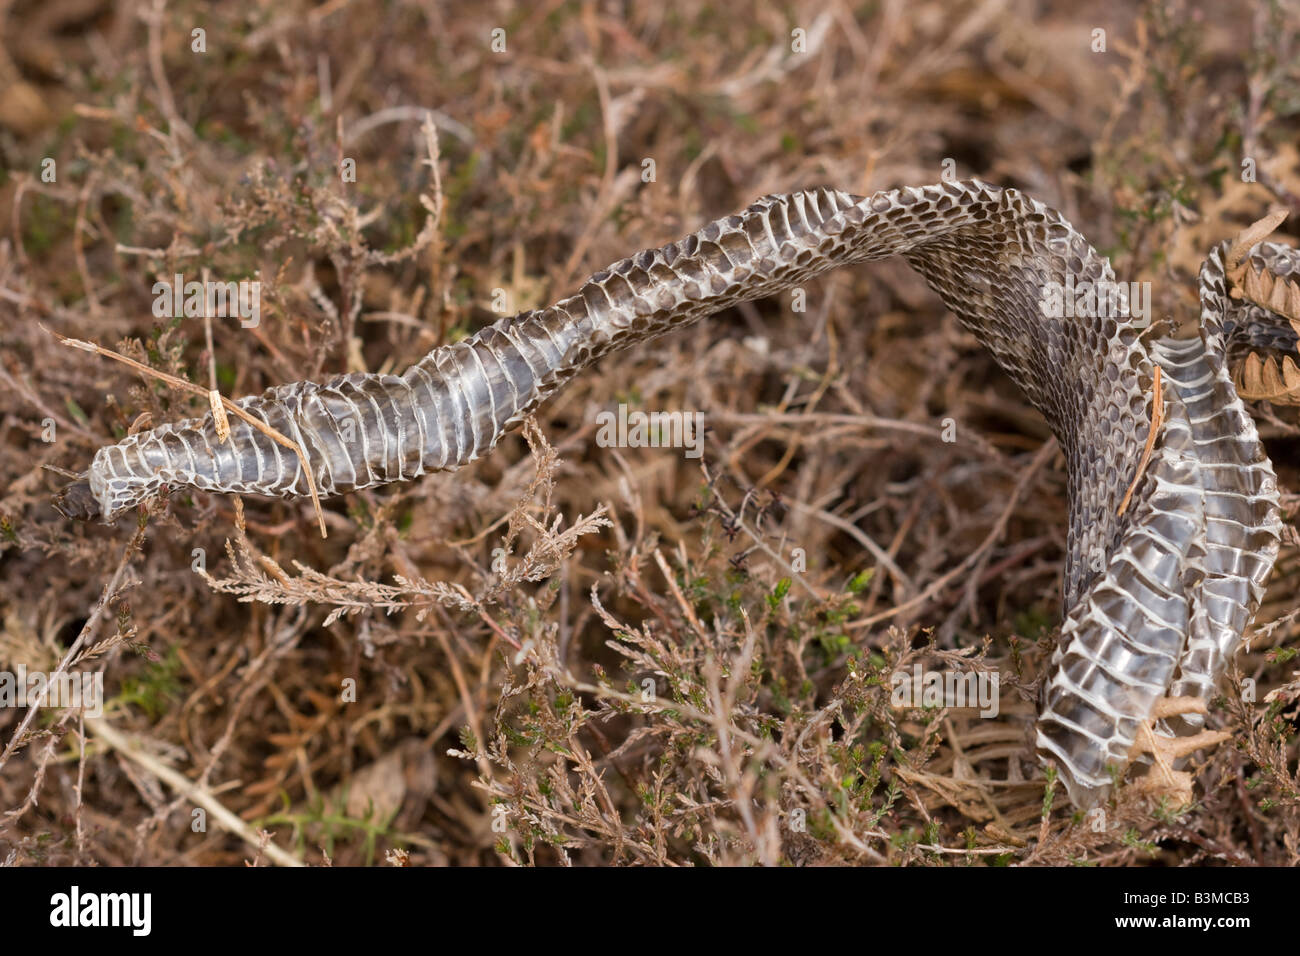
(1156, 599)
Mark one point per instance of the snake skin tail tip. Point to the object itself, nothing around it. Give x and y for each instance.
(77, 501)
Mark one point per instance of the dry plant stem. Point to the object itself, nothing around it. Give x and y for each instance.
(153, 20)
(180, 383)
(186, 788)
(214, 394)
(682, 603)
(741, 783)
(466, 702)
(1157, 419)
(80, 835)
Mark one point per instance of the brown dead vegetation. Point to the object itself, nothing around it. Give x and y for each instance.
(566, 653)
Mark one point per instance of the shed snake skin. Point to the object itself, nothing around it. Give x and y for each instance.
(1156, 599)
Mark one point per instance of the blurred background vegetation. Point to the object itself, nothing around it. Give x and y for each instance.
(685, 691)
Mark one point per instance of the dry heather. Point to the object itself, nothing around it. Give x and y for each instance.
(568, 653)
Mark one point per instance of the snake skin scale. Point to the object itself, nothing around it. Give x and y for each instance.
(1156, 600)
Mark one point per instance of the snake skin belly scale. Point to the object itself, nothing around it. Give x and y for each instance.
(1156, 600)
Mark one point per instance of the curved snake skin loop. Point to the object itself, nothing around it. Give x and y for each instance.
(1156, 600)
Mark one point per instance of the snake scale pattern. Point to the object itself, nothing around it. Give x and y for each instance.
(1157, 595)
